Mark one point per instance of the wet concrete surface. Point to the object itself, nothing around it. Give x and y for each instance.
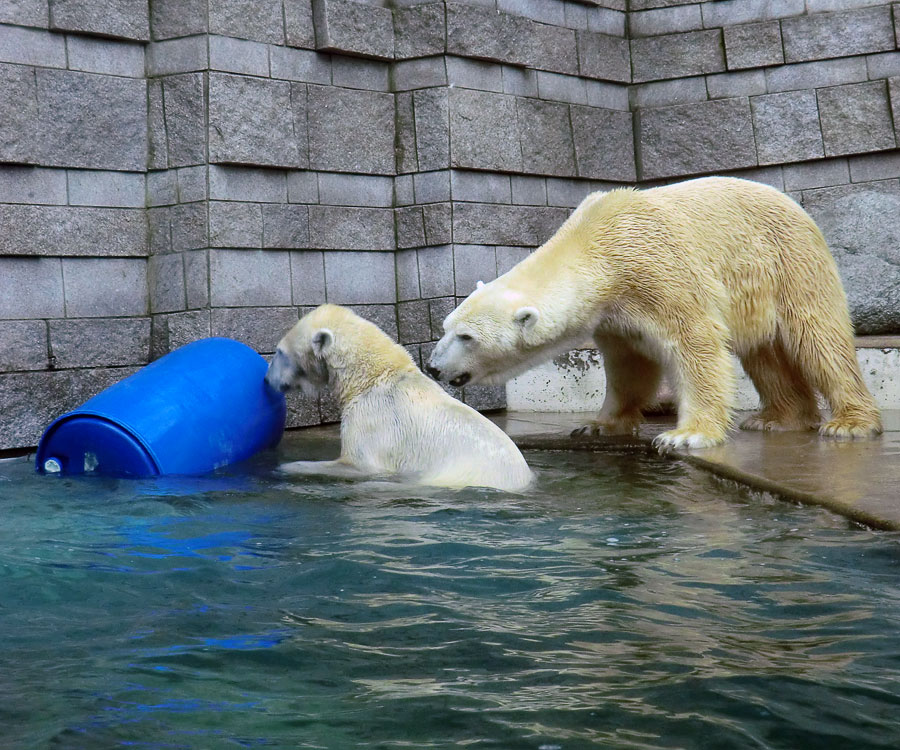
(859, 479)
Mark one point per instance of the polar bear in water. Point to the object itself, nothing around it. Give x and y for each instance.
(394, 420)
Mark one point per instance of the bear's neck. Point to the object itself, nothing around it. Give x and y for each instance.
(368, 365)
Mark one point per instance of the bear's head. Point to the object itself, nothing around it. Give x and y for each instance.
(496, 333)
(301, 359)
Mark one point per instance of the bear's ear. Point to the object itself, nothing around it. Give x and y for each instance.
(527, 317)
(322, 341)
(479, 284)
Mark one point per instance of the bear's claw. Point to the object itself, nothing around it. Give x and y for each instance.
(850, 428)
(684, 439)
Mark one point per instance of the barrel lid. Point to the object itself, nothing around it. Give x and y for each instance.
(80, 442)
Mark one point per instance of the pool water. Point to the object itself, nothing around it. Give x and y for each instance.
(626, 602)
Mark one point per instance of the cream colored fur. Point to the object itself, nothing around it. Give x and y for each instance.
(394, 420)
(669, 279)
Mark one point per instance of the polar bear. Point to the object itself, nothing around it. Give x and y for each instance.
(668, 280)
(394, 420)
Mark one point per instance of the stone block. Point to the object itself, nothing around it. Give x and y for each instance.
(105, 56)
(519, 81)
(165, 281)
(354, 28)
(867, 252)
(413, 322)
(404, 192)
(302, 187)
(480, 187)
(509, 257)
(856, 118)
(606, 95)
(432, 124)
(604, 57)
(483, 131)
(486, 224)
(438, 223)
(816, 174)
(471, 264)
(32, 47)
(483, 33)
(554, 49)
(677, 55)
(129, 19)
(739, 83)
(354, 278)
(247, 184)
(828, 35)
(105, 287)
(90, 121)
(185, 55)
(355, 190)
(178, 18)
(159, 230)
(249, 278)
(25, 12)
(189, 226)
(474, 74)
(667, 93)
(407, 269)
(251, 122)
(604, 143)
(871, 167)
(23, 345)
(423, 72)
(528, 190)
(405, 156)
(485, 397)
(300, 65)
(260, 328)
(235, 224)
(21, 184)
(567, 193)
(261, 20)
(113, 189)
(787, 127)
(731, 12)
(436, 271)
(192, 184)
(753, 45)
(431, 187)
(545, 137)
(551, 13)
(561, 88)
(162, 187)
(113, 342)
(665, 20)
(303, 411)
(31, 288)
(438, 309)
(298, 23)
(168, 332)
(196, 278)
(308, 277)
(346, 228)
(814, 75)
(419, 30)
(157, 151)
(238, 56)
(608, 19)
(696, 138)
(884, 65)
(410, 223)
(64, 230)
(359, 73)
(285, 226)
(383, 316)
(336, 119)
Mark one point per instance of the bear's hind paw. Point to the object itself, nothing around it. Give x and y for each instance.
(628, 426)
(684, 438)
(766, 423)
(850, 428)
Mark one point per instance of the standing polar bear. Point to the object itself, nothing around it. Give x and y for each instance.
(671, 278)
(394, 420)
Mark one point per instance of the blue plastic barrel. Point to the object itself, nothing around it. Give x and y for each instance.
(202, 406)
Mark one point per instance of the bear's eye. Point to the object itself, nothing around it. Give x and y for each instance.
(463, 337)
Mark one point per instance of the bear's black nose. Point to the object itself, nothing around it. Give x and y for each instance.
(460, 380)
(433, 372)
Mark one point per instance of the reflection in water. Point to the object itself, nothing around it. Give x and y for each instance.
(627, 602)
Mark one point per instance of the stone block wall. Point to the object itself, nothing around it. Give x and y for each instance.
(173, 169)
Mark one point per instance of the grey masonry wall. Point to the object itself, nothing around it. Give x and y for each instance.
(175, 169)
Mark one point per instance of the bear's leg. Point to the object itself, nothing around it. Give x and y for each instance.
(632, 379)
(826, 356)
(786, 400)
(704, 378)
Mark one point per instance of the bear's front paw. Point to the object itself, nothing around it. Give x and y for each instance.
(684, 438)
(848, 428)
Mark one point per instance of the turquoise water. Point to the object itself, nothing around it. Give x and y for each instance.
(626, 602)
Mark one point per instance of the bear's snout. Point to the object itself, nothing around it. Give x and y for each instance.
(433, 372)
